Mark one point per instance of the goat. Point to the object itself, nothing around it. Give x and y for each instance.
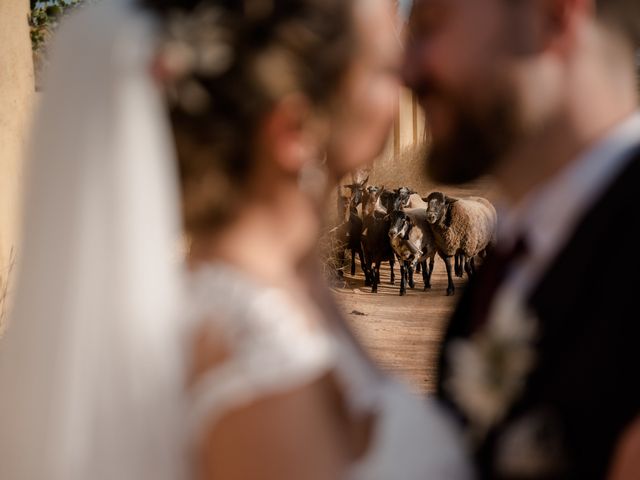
(349, 232)
(375, 239)
(413, 242)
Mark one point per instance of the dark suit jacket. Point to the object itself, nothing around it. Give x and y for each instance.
(586, 383)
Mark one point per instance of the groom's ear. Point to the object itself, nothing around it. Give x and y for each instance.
(285, 134)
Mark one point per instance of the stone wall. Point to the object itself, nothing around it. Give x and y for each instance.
(16, 100)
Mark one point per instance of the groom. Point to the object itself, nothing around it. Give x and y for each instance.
(541, 360)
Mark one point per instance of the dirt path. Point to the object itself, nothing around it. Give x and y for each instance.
(402, 333)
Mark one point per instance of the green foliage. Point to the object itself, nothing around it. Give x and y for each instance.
(44, 19)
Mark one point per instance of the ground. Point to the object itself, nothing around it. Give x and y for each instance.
(402, 333)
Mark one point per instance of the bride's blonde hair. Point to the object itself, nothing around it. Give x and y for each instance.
(225, 64)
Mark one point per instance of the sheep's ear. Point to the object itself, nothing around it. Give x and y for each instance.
(448, 214)
(449, 200)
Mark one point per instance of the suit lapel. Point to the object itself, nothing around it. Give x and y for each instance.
(574, 268)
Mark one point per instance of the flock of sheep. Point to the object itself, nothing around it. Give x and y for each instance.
(380, 225)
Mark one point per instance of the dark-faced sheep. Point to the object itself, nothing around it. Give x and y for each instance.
(349, 231)
(402, 197)
(464, 227)
(375, 237)
(413, 242)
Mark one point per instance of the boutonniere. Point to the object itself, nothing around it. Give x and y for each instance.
(488, 371)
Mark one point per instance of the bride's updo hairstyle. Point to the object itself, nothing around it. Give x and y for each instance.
(224, 65)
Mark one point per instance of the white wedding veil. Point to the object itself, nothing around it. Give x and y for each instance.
(90, 366)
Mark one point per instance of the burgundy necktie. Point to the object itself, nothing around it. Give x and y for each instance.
(490, 278)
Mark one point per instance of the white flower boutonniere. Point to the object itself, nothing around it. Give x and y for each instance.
(489, 370)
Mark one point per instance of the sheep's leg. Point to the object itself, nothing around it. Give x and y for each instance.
(392, 262)
(412, 284)
(468, 267)
(368, 266)
(459, 265)
(367, 277)
(472, 264)
(363, 263)
(451, 289)
(426, 275)
(419, 267)
(431, 264)
(403, 278)
(375, 274)
(465, 266)
(353, 262)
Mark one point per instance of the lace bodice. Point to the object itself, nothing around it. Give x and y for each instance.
(275, 348)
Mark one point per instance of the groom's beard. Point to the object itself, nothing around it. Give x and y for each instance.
(476, 143)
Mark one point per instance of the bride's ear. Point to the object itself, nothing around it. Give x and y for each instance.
(290, 134)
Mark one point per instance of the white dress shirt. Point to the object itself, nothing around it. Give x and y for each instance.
(548, 216)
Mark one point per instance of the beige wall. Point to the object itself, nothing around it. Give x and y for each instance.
(401, 162)
(16, 99)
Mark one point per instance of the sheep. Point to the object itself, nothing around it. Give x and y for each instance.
(349, 232)
(416, 201)
(464, 227)
(409, 199)
(400, 199)
(375, 238)
(387, 201)
(402, 196)
(413, 242)
(392, 200)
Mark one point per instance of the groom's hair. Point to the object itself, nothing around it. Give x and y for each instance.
(622, 16)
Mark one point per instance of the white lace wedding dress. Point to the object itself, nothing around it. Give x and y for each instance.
(275, 349)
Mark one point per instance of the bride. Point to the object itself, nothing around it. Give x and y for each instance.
(119, 363)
